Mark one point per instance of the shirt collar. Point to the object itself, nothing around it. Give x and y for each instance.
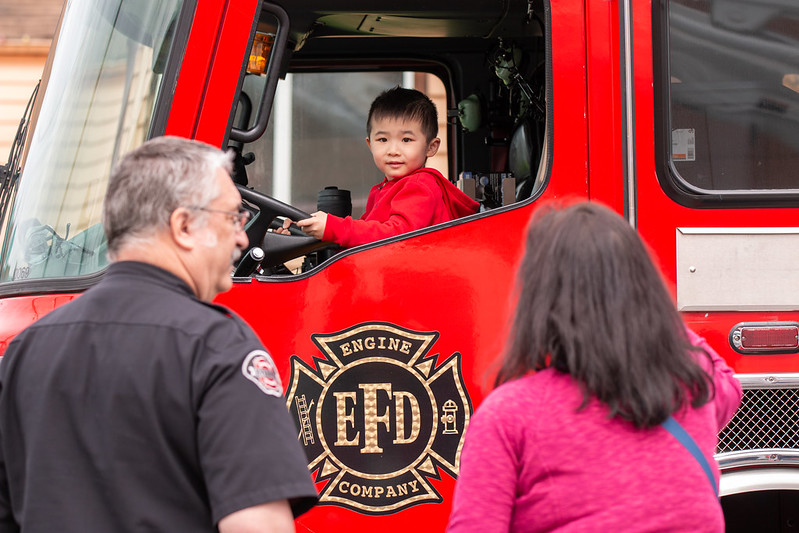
(149, 273)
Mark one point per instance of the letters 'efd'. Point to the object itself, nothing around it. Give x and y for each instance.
(378, 418)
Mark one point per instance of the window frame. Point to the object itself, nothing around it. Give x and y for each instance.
(672, 183)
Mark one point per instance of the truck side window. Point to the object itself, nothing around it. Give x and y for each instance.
(316, 136)
(733, 104)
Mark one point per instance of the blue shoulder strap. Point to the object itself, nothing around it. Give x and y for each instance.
(674, 427)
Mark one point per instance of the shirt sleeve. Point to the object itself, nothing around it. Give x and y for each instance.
(727, 388)
(485, 490)
(247, 441)
(412, 208)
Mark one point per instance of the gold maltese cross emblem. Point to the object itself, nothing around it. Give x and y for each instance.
(378, 417)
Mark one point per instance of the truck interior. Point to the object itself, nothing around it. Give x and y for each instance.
(482, 63)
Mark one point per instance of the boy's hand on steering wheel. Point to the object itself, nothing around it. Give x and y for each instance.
(314, 226)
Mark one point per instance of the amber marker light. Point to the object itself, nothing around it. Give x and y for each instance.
(261, 46)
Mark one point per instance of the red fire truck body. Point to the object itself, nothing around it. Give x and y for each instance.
(679, 114)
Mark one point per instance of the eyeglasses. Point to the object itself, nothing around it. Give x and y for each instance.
(239, 218)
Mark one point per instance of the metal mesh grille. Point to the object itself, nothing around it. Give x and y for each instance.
(767, 418)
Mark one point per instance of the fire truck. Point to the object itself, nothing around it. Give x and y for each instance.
(681, 115)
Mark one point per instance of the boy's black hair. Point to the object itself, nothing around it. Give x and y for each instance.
(408, 104)
(593, 305)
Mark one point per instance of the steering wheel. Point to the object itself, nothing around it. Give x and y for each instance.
(278, 247)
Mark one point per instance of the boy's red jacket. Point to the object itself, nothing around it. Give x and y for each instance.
(418, 200)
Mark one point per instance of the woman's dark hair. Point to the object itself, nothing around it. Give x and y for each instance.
(593, 305)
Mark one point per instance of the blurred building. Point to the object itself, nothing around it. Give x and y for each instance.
(26, 30)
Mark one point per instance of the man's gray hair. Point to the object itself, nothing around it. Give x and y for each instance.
(153, 180)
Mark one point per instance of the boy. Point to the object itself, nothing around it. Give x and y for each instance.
(402, 130)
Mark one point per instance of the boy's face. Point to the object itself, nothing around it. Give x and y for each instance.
(399, 146)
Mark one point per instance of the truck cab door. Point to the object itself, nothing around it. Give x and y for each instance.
(385, 349)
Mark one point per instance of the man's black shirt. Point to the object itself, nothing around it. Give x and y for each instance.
(138, 407)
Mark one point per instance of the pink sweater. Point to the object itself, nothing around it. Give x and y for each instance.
(532, 462)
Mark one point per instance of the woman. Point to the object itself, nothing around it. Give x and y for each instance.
(571, 438)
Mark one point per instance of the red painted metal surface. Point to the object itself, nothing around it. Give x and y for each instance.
(210, 70)
(604, 104)
(716, 327)
(19, 312)
(189, 89)
(426, 283)
(223, 77)
(432, 282)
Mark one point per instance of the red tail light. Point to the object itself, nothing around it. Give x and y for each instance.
(765, 337)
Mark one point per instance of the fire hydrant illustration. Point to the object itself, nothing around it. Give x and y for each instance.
(448, 418)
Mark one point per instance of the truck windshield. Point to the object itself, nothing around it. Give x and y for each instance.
(99, 95)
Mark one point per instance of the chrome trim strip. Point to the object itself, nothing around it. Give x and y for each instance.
(744, 458)
(629, 112)
(769, 381)
(758, 479)
(739, 231)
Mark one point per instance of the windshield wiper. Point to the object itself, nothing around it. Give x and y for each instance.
(10, 172)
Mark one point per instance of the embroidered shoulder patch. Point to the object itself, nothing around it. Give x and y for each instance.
(259, 368)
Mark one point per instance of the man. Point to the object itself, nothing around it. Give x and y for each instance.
(140, 406)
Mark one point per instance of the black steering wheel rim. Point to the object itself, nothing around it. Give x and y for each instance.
(278, 248)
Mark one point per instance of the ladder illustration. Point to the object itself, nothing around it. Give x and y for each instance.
(305, 420)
